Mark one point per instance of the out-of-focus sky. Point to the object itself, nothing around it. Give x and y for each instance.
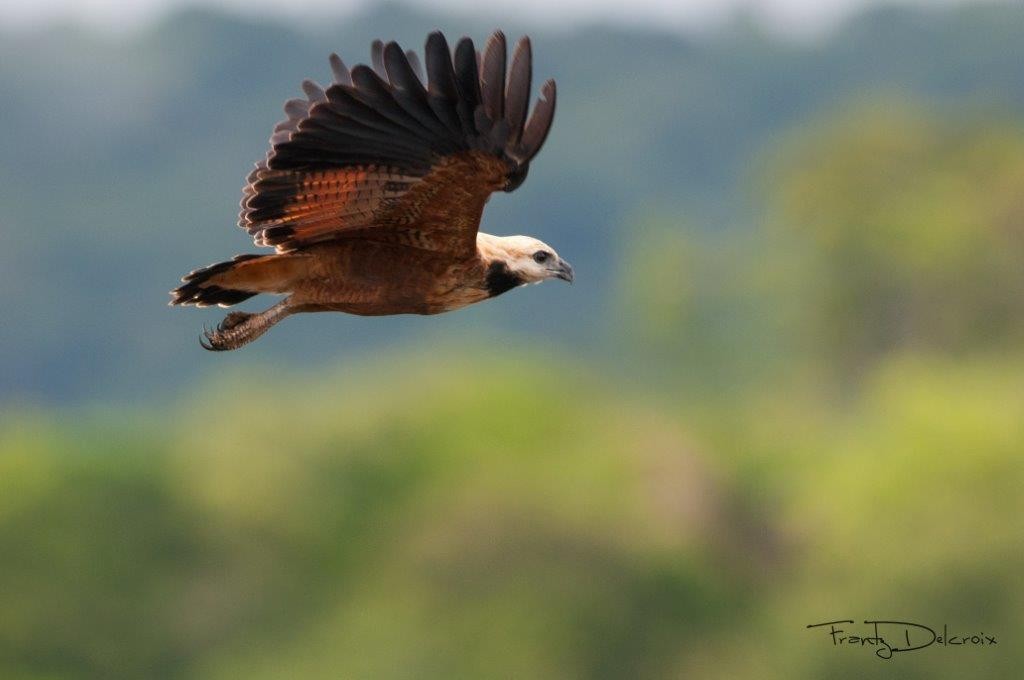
(798, 16)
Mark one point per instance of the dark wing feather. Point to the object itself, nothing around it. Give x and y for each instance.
(467, 75)
(517, 92)
(539, 124)
(442, 92)
(408, 91)
(414, 62)
(388, 154)
(314, 92)
(377, 57)
(492, 77)
(340, 71)
(376, 93)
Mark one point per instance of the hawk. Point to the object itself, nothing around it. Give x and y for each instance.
(373, 190)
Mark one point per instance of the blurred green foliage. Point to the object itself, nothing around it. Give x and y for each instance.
(916, 225)
(805, 407)
(422, 521)
(456, 520)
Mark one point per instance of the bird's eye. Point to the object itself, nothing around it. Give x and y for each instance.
(541, 256)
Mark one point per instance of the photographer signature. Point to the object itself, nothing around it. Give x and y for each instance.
(899, 636)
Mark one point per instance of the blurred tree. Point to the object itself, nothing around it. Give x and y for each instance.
(705, 311)
(905, 505)
(915, 225)
(657, 285)
(433, 518)
(443, 518)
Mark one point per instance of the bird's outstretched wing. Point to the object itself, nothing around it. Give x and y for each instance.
(381, 155)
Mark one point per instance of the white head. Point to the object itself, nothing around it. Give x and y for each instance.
(528, 259)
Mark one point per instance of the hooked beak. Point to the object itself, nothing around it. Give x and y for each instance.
(564, 271)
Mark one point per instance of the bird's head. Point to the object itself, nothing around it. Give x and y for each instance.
(527, 259)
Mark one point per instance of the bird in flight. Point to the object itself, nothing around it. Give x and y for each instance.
(373, 190)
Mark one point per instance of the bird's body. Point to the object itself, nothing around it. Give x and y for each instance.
(375, 279)
(371, 278)
(373, 190)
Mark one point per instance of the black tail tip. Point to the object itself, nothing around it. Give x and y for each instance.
(196, 291)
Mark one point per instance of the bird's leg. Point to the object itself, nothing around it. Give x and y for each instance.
(233, 319)
(241, 328)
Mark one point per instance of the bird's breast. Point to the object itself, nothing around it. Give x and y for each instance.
(378, 279)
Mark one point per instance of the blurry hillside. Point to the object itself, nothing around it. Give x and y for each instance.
(475, 520)
(123, 160)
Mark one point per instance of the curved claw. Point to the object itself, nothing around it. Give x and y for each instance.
(241, 328)
(212, 342)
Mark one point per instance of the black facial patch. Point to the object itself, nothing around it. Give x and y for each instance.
(501, 279)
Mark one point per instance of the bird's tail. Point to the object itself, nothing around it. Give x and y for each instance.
(238, 279)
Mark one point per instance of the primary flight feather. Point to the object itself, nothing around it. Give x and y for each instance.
(373, 190)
